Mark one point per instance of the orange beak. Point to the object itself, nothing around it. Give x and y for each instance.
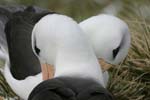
(105, 66)
(47, 71)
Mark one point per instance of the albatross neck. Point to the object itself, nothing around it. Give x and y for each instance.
(77, 60)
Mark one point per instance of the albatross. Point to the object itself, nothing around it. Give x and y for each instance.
(22, 68)
(27, 79)
(22, 79)
(78, 75)
(110, 39)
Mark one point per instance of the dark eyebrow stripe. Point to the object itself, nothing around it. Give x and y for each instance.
(115, 51)
(37, 50)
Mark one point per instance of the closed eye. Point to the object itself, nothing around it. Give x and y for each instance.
(37, 50)
(115, 51)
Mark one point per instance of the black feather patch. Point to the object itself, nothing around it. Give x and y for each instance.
(37, 50)
(18, 31)
(115, 51)
(63, 88)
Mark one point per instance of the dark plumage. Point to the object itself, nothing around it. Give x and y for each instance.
(70, 89)
(18, 32)
(115, 51)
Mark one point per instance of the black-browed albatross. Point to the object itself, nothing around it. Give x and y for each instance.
(109, 37)
(9, 23)
(78, 75)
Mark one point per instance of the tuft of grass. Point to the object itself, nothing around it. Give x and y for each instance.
(5, 90)
(131, 79)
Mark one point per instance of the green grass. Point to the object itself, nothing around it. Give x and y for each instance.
(131, 79)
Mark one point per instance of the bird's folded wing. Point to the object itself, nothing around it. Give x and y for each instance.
(95, 92)
(53, 89)
(18, 31)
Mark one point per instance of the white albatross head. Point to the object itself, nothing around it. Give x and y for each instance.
(109, 36)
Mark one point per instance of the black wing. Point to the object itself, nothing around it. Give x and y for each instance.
(87, 89)
(53, 89)
(18, 32)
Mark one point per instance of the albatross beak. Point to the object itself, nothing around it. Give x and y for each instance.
(105, 66)
(47, 71)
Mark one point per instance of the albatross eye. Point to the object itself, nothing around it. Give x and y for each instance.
(37, 50)
(115, 51)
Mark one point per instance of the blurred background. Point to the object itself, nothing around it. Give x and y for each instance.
(81, 9)
(131, 79)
